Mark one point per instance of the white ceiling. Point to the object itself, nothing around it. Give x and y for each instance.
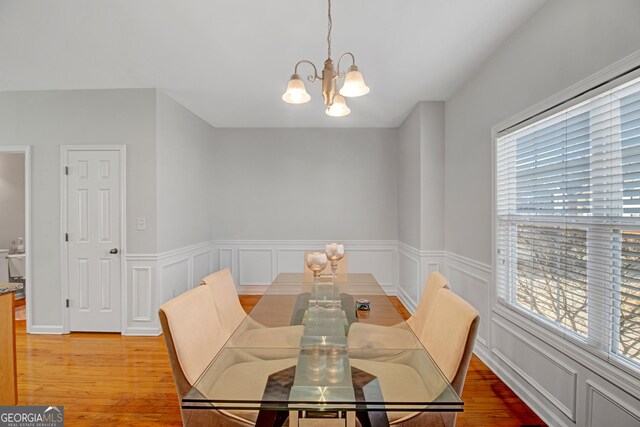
(229, 61)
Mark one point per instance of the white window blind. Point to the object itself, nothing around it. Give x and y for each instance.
(568, 222)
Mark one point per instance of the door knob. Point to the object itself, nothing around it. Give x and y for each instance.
(113, 251)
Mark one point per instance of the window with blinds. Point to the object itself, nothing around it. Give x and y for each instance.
(568, 222)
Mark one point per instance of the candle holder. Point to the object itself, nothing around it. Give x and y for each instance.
(316, 261)
(335, 252)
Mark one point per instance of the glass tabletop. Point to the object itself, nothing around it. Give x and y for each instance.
(305, 346)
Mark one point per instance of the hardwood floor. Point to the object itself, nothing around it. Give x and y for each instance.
(122, 380)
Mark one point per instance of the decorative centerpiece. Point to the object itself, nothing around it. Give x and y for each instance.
(335, 252)
(316, 261)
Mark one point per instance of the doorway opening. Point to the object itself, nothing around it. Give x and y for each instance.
(15, 226)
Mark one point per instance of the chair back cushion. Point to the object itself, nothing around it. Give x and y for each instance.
(195, 331)
(449, 325)
(417, 321)
(225, 297)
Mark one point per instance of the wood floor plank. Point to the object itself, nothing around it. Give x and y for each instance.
(118, 380)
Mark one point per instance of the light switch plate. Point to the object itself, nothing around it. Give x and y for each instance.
(141, 224)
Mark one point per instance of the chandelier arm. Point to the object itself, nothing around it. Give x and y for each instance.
(341, 74)
(311, 78)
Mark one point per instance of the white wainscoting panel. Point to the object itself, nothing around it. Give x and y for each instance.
(553, 378)
(605, 408)
(290, 260)
(142, 296)
(379, 261)
(175, 279)
(155, 278)
(414, 267)
(141, 293)
(544, 372)
(225, 259)
(202, 266)
(177, 272)
(561, 390)
(470, 279)
(408, 276)
(255, 266)
(255, 263)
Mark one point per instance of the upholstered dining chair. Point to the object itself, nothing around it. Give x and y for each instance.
(225, 296)
(343, 266)
(365, 335)
(434, 282)
(193, 335)
(223, 293)
(449, 339)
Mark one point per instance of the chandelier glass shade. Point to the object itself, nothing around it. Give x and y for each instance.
(336, 105)
(296, 92)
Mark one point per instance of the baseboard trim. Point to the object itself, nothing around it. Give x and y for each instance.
(143, 332)
(406, 300)
(46, 329)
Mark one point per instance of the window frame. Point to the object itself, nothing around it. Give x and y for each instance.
(602, 361)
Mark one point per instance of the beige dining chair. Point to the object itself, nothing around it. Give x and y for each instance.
(365, 335)
(225, 296)
(449, 339)
(250, 333)
(194, 335)
(343, 266)
(417, 321)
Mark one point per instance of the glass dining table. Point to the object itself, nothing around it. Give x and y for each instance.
(306, 352)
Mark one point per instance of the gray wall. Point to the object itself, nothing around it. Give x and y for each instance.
(409, 179)
(305, 184)
(12, 196)
(184, 173)
(432, 176)
(421, 177)
(562, 44)
(565, 42)
(48, 119)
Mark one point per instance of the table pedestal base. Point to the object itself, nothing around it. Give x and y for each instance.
(302, 419)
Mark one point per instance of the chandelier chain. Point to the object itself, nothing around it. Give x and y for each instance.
(329, 33)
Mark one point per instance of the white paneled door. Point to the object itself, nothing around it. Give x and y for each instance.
(93, 237)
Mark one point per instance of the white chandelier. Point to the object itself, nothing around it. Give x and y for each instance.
(336, 105)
